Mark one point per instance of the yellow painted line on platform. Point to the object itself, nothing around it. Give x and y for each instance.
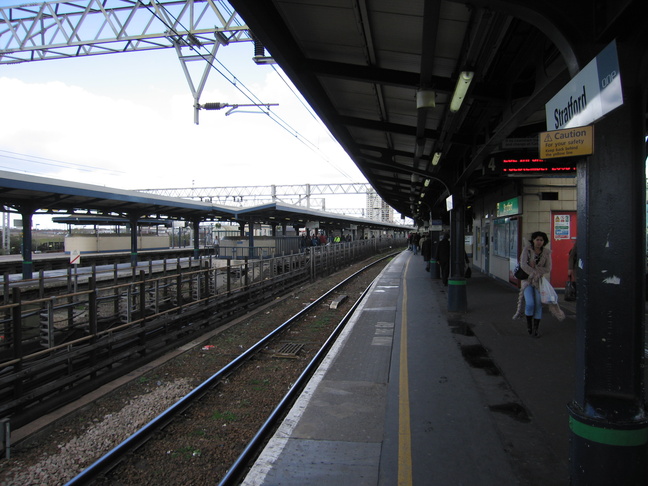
(404, 431)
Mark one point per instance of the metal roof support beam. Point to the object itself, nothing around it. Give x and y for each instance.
(426, 82)
(523, 111)
(75, 28)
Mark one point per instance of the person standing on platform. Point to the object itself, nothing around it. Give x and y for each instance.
(416, 239)
(216, 245)
(572, 274)
(535, 260)
(572, 264)
(426, 250)
(443, 257)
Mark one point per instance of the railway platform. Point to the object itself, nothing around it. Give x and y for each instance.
(413, 394)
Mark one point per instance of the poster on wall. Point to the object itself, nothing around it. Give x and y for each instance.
(561, 227)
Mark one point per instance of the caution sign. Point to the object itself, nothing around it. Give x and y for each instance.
(567, 143)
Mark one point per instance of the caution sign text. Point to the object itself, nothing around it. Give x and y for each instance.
(566, 143)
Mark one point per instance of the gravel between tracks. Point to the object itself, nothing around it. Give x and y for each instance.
(200, 447)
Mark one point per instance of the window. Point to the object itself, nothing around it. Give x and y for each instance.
(505, 239)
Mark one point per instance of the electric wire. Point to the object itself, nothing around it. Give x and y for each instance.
(233, 80)
(52, 162)
(310, 111)
(251, 96)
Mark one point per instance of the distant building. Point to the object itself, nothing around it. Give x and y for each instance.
(377, 209)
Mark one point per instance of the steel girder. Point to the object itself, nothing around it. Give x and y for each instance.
(73, 28)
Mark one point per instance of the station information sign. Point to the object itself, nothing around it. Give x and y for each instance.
(510, 207)
(520, 165)
(593, 92)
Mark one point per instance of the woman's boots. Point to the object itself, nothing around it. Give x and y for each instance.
(533, 326)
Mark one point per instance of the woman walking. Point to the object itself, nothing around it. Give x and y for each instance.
(535, 260)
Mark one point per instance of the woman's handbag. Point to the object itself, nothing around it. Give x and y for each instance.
(547, 293)
(519, 273)
(570, 291)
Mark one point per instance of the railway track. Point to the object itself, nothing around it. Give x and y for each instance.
(206, 430)
(60, 346)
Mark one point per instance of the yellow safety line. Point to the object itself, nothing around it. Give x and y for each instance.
(404, 432)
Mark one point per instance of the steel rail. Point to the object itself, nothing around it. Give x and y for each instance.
(235, 472)
(114, 456)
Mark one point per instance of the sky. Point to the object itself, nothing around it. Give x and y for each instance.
(126, 121)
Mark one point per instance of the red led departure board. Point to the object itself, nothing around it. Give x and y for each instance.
(531, 165)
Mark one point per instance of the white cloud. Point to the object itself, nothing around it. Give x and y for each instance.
(127, 125)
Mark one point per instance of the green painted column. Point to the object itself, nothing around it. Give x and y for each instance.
(608, 421)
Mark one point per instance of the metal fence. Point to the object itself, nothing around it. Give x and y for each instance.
(70, 338)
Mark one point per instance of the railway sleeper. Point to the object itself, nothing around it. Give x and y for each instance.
(37, 383)
(120, 349)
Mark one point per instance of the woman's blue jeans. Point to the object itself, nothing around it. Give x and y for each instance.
(533, 304)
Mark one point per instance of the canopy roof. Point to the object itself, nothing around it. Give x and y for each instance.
(33, 195)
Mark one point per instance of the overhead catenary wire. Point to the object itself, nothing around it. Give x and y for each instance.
(249, 94)
(34, 159)
(225, 73)
(237, 83)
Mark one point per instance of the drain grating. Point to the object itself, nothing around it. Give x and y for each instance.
(289, 350)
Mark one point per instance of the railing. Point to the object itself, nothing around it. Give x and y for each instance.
(68, 340)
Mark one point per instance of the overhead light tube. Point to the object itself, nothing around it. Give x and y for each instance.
(460, 90)
(436, 157)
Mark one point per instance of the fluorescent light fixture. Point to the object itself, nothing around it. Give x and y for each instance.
(422, 195)
(427, 182)
(460, 90)
(436, 157)
(425, 98)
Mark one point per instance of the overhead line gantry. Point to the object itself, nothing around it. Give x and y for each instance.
(75, 28)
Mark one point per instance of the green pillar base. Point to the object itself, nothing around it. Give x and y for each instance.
(434, 269)
(457, 295)
(603, 452)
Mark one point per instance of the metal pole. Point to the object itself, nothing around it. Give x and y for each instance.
(608, 421)
(28, 264)
(196, 237)
(133, 218)
(457, 299)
